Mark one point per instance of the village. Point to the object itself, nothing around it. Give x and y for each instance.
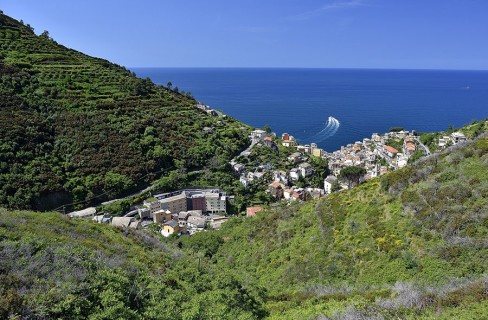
(373, 154)
(189, 211)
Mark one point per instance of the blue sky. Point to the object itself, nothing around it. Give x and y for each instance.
(411, 34)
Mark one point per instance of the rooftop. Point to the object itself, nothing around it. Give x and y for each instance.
(391, 149)
(331, 179)
(171, 223)
(275, 184)
(251, 211)
(83, 213)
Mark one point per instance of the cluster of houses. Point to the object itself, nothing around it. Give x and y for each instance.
(190, 211)
(284, 178)
(369, 152)
(91, 213)
(281, 191)
(181, 212)
(312, 149)
(185, 211)
(453, 138)
(373, 154)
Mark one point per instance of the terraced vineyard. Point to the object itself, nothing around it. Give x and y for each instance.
(74, 126)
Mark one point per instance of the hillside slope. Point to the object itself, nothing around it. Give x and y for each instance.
(52, 267)
(410, 245)
(74, 126)
(413, 243)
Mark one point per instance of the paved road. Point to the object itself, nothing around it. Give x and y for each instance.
(426, 149)
(131, 195)
(248, 150)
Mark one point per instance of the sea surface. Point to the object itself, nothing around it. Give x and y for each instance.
(334, 107)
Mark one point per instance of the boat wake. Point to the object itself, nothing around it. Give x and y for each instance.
(328, 131)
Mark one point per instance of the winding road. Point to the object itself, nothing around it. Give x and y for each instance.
(426, 149)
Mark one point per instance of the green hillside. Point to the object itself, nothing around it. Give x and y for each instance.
(52, 267)
(413, 243)
(74, 126)
(409, 245)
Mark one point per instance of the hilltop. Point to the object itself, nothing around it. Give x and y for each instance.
(75, 128)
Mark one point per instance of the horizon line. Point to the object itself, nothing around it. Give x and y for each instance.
(298, 68)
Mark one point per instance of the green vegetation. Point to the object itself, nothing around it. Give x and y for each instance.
(396, 129)
(79, 129)
(263, 155)
(352, 175)
(430, 139)
(55, 268)
(410, 244)
(395, 143)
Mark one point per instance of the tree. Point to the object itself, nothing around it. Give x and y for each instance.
(351, 175)
(45, 34)
(267, 128)
(396, 129)
(336, 186)
(169, 85)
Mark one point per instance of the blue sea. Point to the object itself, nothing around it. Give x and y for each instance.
(334, 107)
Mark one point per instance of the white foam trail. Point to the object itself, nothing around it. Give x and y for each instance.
(330, 129)
(334, 126)
(327, 127)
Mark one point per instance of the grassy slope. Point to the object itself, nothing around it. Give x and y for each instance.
(407, 244)
(411, 244)
(54, 267)
(74, 126)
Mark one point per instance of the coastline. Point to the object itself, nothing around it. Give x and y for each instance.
(299, 101)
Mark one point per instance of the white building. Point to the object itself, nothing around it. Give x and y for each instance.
(87, 213)
(295, 174)
(245, 181)
(306, 169)
(216, 221)
(295, 157)
(458, 137)
(401, 160)
(215, 203)
(444, 141)
(152, 206)
(328, 182)
(258, 135)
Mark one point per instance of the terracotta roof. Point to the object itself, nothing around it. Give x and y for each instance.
(275, 184)
(268, 139)
(410, 146)
(251, 211)
(391, 149)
